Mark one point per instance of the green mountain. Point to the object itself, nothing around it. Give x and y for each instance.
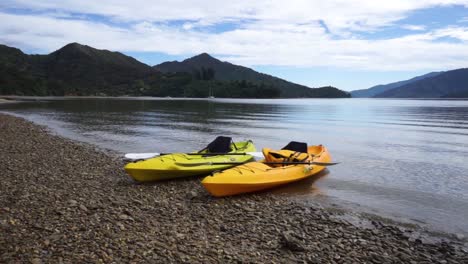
(374, 90)
(225, 71)
(74, 61)
(15, 71)
(78, 69)
(449, 84)
(72, 70)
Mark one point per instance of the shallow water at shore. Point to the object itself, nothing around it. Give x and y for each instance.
(400, 158)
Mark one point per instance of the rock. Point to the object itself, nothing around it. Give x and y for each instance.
(46, 242)
(192, 195)
(465, 249)
(459, 236)
(125, 217)
(291, 243)
(36, 261)
(138, 202)
(83, 208)
(121, 226)
(127, 212)
(4, 223)
(72, 203)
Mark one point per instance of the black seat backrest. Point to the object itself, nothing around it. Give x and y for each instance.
(219, 145)
(296, 146)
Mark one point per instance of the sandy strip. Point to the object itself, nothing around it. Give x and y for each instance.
(5, 101)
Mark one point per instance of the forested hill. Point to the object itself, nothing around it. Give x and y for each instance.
(72, 70)
(78, 69)
(225, 71)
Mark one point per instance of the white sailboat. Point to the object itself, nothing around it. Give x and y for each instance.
(210, 93)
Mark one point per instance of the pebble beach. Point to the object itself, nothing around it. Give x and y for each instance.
(63, 201)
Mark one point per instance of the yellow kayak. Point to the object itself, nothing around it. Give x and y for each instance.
(275, 170)
(166, 167)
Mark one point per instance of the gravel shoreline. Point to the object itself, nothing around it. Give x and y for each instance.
(63, 201)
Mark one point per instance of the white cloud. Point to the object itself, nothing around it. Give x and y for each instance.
(414, 27)
(268, 43)
(459, 33)
(268, 32)
(338, 14)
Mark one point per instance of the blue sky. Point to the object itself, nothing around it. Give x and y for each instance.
(347, 44)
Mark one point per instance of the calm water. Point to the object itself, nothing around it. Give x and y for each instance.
(402, 158)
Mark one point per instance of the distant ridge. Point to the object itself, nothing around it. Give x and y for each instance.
(449, 84)
(375, 90)
(225, 71)
(190, 64)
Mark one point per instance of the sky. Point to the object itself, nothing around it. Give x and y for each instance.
(347, 44)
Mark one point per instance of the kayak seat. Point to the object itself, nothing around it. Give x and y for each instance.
(296, 146)
(219, 145)
(283, 155)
